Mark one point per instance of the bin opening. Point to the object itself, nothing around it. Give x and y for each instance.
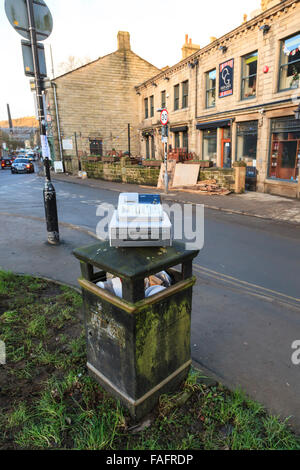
(153, 284)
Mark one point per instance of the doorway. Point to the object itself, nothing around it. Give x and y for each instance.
(226, 148)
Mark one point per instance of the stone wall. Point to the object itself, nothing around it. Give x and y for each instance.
(135, 174)
(224, 176)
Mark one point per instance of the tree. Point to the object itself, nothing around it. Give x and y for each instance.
(72, 63)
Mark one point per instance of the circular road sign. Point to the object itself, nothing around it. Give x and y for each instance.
(164, 117)
(16, 12)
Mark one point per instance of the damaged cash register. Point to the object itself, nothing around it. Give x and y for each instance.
(140, 221)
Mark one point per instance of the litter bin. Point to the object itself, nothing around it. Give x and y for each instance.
(137, 347)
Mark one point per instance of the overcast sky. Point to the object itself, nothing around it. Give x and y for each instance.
(88, 28)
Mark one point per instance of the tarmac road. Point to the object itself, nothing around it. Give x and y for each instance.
(246, 310)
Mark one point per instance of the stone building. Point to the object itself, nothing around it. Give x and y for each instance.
(95, 104)
(234, 99)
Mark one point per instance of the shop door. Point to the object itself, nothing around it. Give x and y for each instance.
(287, 152)
(226, 149)
(226, 154)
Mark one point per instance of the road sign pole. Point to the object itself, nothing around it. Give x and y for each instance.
(49, 190)
(166, 168)
(164, 119)
(36, 66)
(50, 207)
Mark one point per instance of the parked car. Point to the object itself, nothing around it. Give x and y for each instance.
(22, 165)
(6, 163)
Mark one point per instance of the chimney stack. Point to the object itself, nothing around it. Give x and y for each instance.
(189, 48)
(123, 41)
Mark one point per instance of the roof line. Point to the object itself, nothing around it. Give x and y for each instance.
(283, 4)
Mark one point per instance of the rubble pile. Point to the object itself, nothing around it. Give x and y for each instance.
(207, 187)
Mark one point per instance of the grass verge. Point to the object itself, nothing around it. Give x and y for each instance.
(48, 401)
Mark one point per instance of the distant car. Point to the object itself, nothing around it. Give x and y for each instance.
(6, 163)
(22, 165)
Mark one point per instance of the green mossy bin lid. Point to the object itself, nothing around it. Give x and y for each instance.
(131, 263)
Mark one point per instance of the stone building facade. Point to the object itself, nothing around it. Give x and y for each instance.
(95, 104)
(235, 99)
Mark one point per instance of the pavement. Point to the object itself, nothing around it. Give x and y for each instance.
(246, 305)
(264, 206)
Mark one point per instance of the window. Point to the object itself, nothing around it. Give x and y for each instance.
(211, 88)
(176, 97)
(185, 94)
(285, 149)
(146, 108)
(247, 141)
(249, 74)
(177, 140)
(151, 106)
(185, 141)
(289, 72)
(163, 99)
(96, 147)
(210, 145)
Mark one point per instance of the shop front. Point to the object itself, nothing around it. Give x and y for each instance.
(217, 142)
(284, 160)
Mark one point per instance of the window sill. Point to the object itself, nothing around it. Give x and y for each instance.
(250, 98)
(269, 179)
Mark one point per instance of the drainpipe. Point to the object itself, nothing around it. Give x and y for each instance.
(57, 121)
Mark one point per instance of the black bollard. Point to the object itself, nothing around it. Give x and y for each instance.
(50, 207)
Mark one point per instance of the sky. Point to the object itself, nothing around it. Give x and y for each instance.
(88, 28)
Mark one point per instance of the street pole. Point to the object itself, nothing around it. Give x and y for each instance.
(129, 140)
(49, 191)
(50, 207)
(166, 169)
(76, 149)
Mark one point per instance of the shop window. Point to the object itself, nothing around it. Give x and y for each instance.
(176, 97)
(249, 76)
(289, 73)
(151, 106)
(146, 108)
(211, 88)
(210, 145)
(185, 94)
(185, 141)
(285, 149)
(96, 147)
(163, 99)
(247, 142)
